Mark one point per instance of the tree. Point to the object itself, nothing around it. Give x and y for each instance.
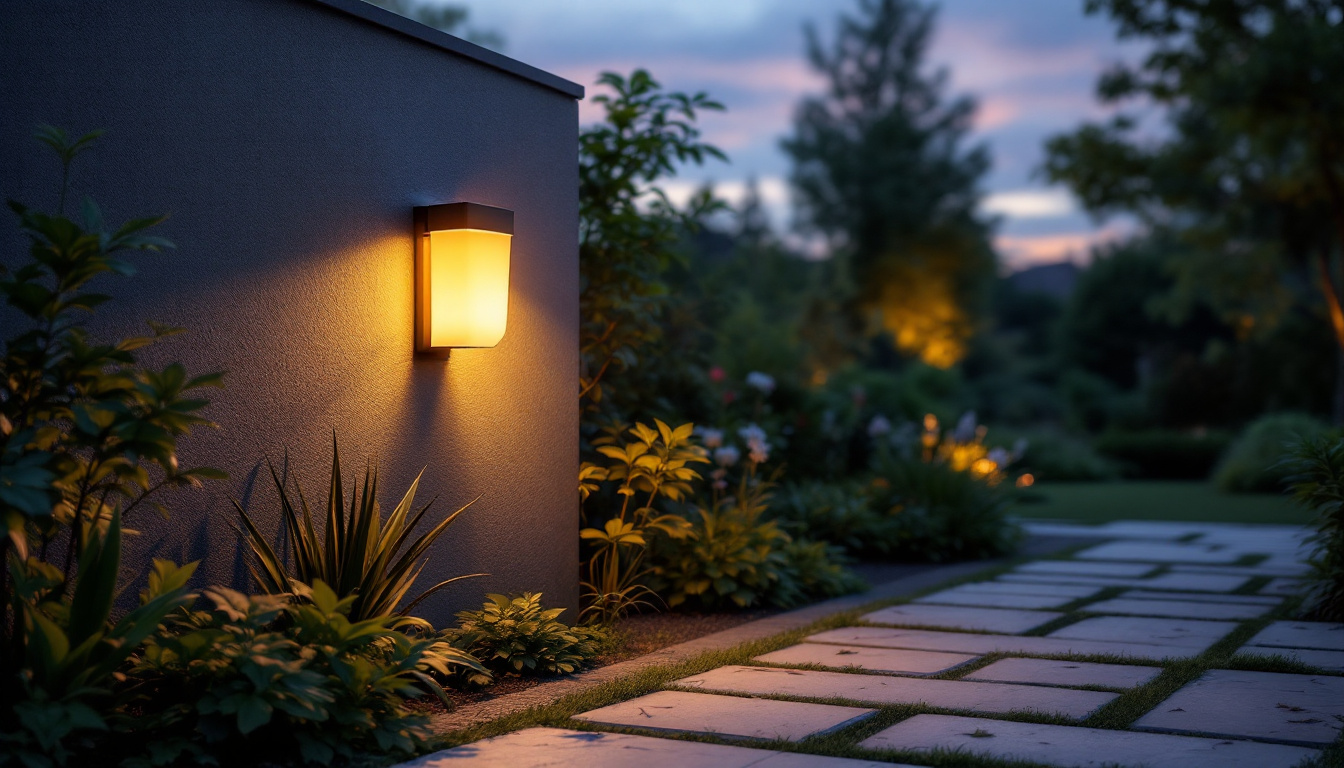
(1249, 174)
(880, 169)
(628, 228)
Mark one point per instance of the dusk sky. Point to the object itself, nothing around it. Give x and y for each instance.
(1032, 64)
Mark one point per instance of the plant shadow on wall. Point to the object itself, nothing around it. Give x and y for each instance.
(318, 669)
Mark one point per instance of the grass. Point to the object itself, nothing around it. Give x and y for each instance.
(1157, 500)
(1118, 714)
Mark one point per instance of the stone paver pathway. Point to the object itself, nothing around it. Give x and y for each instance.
(938, 673)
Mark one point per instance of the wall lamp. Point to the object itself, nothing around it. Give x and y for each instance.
(461, 275)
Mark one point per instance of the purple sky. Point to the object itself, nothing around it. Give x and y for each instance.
(1031, 63)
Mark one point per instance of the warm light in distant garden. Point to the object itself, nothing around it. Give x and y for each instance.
(922, 316)
(1026, 481)
(461, 275)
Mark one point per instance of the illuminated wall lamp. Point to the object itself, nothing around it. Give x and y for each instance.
(461, 275)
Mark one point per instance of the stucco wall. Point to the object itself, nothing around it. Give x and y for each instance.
(288, 142)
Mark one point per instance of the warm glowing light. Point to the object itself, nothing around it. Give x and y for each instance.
(462, 275)
(1026, 481)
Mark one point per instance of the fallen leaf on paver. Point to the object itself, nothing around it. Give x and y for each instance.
(1308, 721)
(1178, 709)
(845, 653)
(979, 733)
(1291, 708)
(791, 672)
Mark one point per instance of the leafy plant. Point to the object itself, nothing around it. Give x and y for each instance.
(372, 561)
(839, 514)
(301, 680)
(69, 651)
(628, 227)
(1317, 480)
(945, 514)
(1253, 462)
(1165, 453)
(656, 464)
(817, 570)
(87, 436)
(516, 635)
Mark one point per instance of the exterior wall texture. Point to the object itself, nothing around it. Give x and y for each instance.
(288, 141)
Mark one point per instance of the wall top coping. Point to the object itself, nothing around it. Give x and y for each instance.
(385, 18)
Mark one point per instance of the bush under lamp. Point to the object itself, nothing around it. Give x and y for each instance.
(461, 275)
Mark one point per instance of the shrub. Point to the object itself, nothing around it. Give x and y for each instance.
(656, 464)
(1162, 454)
(1052, 456)
(360, 556)
(837, 513)
(816, 570)
(88, 435)
(1317, 478)
(944, 513)
(1253, 464)
(516, 635)
(301, 681)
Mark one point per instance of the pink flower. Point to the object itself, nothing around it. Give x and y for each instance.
(717, 374)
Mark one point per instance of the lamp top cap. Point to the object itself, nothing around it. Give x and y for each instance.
(468, 216)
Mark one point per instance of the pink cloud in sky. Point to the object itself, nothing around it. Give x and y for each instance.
(1021, 251)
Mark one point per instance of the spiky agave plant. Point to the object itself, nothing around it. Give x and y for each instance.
(359, 554)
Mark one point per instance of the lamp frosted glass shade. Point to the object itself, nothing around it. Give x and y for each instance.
(462, 276)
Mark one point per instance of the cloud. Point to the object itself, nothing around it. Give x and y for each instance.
(1030, 203)
(1020, 251)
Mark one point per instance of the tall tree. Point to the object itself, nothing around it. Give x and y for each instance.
(1249, 173)
(881, 169)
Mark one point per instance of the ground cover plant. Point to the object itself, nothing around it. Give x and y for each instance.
(1318, 485)
(515, 635)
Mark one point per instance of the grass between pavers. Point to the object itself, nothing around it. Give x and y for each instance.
(1116, 715)
(1157, 500)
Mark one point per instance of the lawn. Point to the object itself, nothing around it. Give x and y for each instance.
(1156, 500)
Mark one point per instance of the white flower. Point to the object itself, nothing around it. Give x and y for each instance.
(726, 456)
(712, 438)
(762, 381)
(999, 456)
(879, 426)
(965, 431)
(759, 451)
(752, 432)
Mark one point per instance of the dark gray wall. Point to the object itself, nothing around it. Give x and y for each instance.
(288, 142)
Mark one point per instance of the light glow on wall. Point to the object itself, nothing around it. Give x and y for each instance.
(462, 275)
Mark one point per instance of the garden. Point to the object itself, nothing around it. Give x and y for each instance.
(758, 427)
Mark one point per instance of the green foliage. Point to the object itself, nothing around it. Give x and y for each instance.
(1318, 484)
(627, 226)
(516, 635)
(817, 570)
(1248, 172)
(1253, 463)
(1054, 457)
(879, 164)
(945, 514)
(372, 561)
(67, 650)
(656, 464)
(1164, 454)
(303, 681)
(837, 513)
(87, 436)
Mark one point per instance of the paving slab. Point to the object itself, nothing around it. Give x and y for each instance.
(730, 716)
(890, 660)
(959, 617)
(1144, 594)
(1185, 582)
(1074, 747)
(1184, 633)
(884, 689)
(1286, 587)
(1260, 569)
(1329, 660)
(1293, 709)
(956, 596)
(964, 642)
(1031, 588)
(1084, 568)
(1180, 609)
(1065, 673)
(1160, 552)
(552, 747)
(1321, 635)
